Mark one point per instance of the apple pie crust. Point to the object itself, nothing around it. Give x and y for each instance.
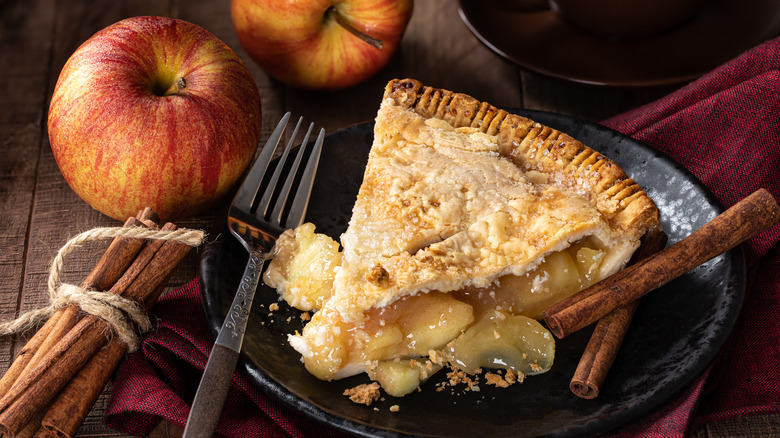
(470, 221)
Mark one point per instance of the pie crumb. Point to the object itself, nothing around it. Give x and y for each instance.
(365, 393)
(509, 378)
(395, 408)
(496, 379)
(437, 357)
(273, 307)
(457, 377)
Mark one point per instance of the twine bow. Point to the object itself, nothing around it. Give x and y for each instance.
(109, 307)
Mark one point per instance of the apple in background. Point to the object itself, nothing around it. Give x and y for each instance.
(155, 112)
(321, 44)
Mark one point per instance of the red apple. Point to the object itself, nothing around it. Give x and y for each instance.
(321, 44)
(155, 112)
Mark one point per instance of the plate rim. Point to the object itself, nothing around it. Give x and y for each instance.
(269, 386)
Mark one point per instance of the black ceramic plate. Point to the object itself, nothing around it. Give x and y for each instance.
(542, 43)
(676, 333)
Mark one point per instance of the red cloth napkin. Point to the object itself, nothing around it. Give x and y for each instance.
(724, 127)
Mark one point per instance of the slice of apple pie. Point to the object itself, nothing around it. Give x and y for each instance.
(470, 221)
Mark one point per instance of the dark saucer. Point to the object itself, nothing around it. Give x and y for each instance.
(542, 43)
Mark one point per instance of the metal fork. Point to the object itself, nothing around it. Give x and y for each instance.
(260, 212)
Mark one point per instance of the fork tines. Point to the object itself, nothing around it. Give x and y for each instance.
(284, 206)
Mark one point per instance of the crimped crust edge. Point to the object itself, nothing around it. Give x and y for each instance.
(534, 146)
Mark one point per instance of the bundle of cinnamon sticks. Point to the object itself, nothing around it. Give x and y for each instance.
(58, 375)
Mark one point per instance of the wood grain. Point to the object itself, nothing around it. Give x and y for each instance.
(38, 36)
(24, 90)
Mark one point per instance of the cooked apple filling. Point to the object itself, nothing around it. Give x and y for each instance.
(491, 327)
(468, 224)
(560, 275)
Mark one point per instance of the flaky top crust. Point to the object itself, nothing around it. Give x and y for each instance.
(533, 146)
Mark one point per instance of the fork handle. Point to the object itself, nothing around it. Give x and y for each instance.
(212, 392)
(213, 388)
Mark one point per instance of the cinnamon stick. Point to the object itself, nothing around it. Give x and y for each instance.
(610, 331)
(45, 433)
(30, 429)
(74, 402)
(38, 388)
(745, 219)
(26, 354)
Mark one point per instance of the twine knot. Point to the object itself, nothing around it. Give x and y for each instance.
(116, 310)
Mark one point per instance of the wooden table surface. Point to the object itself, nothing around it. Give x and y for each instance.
(39, 211)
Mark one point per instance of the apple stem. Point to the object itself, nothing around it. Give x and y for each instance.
(176, 87)
(346, 25)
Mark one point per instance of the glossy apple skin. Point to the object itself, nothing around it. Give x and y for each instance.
(295, 42)
(121, 145)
